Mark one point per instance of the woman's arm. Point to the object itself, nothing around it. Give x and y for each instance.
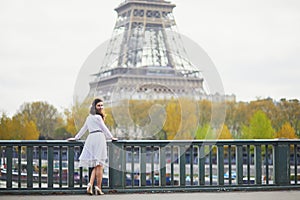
(82, 131)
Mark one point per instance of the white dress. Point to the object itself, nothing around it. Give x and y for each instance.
(95, 149)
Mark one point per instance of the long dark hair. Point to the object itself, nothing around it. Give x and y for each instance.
(94, 110)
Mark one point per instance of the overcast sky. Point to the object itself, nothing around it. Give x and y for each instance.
(254, 44)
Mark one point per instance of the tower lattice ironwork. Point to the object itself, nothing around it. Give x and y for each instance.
(146, 55)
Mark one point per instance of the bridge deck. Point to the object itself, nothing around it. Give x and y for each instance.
(269, 195)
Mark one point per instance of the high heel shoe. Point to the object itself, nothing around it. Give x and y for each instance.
(98, 191)
(89, 189)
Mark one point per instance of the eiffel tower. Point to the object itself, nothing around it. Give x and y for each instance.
(145, 56)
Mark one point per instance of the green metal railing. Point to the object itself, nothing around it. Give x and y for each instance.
(137, 166)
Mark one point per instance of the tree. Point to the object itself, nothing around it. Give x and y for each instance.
(44, 115)
(267, 106)
(109, 120)
(17, 129)
(77, 116)
(70, 122)
(139, 112)
(189, 119)
(173, 121)
(290, 112)
(205, 108)
(61, 134)
(205, 132)
(286, 131)
(260, 127)
(225, 133)
(237, 115)
(5, 126)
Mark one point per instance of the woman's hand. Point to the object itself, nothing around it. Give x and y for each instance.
(71, 139)
(114, 139)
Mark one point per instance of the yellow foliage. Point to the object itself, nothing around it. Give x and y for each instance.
(70, 122)
(18, 129)
(173, 121)
(77, 118)
(30, 131)
(181, 120)
(286, 131)
(225, 133)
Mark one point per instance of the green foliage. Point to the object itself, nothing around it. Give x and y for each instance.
(260, 127)
(61, 134)
(205, 132)
(239, 114)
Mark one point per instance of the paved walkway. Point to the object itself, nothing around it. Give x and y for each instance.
(272, 195)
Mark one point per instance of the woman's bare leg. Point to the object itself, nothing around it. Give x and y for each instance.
(93, 174)
(99, 175)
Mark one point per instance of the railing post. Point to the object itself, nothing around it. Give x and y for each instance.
(50, 167)
(281, 158)
(182, 166)
(143, 164)
(116, 165)
(239, 164)
(29, 166)
(258, 164)
(220, 164)
(71, 166)
(162, 166)
(9, 156)
(201, 164)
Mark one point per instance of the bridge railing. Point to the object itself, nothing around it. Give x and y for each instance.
(52, 166)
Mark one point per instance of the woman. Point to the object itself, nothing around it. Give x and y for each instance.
(94, 152)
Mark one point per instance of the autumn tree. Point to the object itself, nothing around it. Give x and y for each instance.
(109, 120)
(173, 122)
(144, 118)
(260, 127)
(189, 119)
(286, 131)
(76, 117)
(5, 127)
(17, 129)
(270, 108)
(237, 115)
(25, 129)
(139, 112)
(290, 112)
(224, 133)
(44, 115)
(185, 120)
(205, 108)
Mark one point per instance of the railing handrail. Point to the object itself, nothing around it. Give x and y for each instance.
(222, 141)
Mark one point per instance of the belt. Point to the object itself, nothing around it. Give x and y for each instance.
(96, 131)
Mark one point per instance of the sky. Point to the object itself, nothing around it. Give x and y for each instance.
(254, 44)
